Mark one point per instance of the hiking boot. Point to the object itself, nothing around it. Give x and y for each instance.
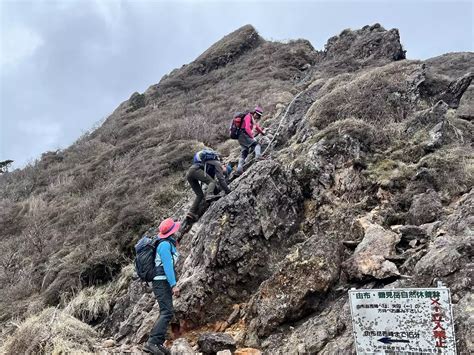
(164, 350)
(154, 349)
(192, 217)
(351, 244)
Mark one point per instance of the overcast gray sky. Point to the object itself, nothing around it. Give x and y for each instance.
(67, 64)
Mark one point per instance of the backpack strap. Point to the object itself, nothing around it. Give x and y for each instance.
(243, 119)
(161, 240)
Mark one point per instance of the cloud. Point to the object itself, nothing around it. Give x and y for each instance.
(45, 134)
(109, 11)
(17, 44)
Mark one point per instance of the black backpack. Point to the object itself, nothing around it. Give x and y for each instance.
(145, 251)
(236, 124)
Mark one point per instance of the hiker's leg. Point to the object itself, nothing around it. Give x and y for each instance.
(194, 182)
(210, 182)
(162, 291)
(210, 188)
(206, 179)
(244, 151)
(258, 151)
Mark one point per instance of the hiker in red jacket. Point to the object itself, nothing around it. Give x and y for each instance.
(246, 137)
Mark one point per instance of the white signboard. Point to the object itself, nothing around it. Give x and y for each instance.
(403, 321)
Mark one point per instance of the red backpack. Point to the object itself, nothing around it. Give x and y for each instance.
(236, 124)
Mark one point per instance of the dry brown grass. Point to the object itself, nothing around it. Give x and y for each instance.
(93, 304)
(379, 96)
(51, 332)
(369, 137)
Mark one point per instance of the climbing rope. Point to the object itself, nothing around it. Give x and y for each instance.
(281, 121)
(278, 128)
(269, 144)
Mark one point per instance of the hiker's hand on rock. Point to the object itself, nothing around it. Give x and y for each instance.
(175, 291)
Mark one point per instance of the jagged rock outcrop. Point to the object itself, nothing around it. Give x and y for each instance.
(367, 44)
(329, 333)
(286, 296)
(450, 249)
(225, 258)
(410, 232)
(456, 89)
(466, 104)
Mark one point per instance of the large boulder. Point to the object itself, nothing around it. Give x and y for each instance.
(463, 320)
(137, 320)
(448, 256)
(326, 332)
(238, 242)
(182, 347)
(466, 104)
(211, 343)
(303, 278)
(370, 258)
(335, 160)
(425, 208)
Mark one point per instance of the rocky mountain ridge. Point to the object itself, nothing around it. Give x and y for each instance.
(368, 184)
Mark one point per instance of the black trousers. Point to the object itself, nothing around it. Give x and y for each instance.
(194, 176)
(162, 291)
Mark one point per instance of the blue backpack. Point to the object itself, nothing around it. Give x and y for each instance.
(205, 155)
(145, 251)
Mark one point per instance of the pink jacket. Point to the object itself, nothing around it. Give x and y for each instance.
(249, 124)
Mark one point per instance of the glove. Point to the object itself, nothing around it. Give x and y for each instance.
(229, 169)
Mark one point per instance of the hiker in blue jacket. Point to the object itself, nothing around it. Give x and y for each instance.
(164, 286)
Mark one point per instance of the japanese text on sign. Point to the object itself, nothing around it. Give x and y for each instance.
(408, 321)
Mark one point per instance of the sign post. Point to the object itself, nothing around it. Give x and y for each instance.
(403, 321)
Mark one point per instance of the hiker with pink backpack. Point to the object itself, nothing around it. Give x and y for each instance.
(242, 128)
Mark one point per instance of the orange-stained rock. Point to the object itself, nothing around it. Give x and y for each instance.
(248, 351)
